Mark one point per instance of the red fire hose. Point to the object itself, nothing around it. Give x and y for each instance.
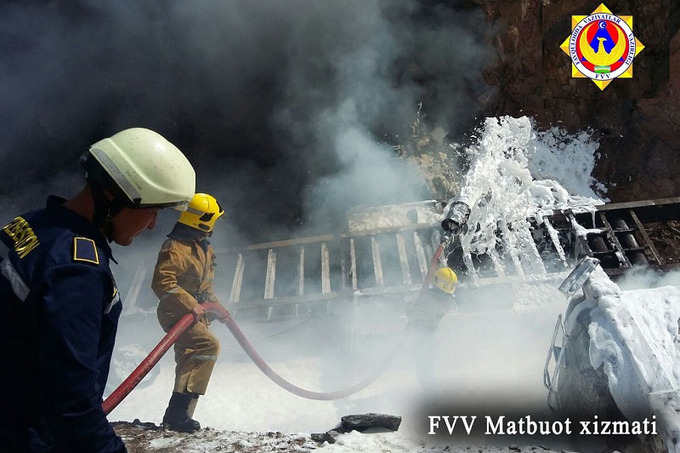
(434, 264)
(148, 363)
(225, 318)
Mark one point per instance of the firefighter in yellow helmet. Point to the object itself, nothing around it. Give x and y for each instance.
(424, 316)
(183, 280)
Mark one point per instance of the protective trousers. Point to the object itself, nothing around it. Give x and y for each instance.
(196, 351)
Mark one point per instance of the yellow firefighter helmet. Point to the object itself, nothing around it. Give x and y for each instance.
(446, 280)
(202, 213)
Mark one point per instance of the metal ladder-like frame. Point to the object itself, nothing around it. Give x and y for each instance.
(410, 248)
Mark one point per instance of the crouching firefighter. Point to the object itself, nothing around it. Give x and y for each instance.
(183, 280)
(424, 316)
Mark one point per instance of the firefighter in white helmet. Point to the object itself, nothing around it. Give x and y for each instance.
(59, 303)
(183, 280)
(424, 316)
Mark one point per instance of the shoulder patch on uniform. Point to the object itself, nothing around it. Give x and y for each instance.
(84, 249)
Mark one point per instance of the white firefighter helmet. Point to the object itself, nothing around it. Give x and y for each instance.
(141, 167)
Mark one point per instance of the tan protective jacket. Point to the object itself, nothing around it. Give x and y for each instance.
(183, 276)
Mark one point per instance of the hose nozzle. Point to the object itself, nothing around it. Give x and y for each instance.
(456, 217)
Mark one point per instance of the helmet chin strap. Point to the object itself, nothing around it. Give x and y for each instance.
(104, 209)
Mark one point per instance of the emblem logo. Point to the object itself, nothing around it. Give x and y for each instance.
(602, 46)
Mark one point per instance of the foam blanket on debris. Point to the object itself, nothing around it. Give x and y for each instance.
(634, 336)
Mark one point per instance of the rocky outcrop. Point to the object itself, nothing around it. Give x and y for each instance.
(636, 120)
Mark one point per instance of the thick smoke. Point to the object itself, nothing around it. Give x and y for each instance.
(288, 110)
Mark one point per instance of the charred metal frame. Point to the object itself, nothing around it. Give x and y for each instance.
(619, 234)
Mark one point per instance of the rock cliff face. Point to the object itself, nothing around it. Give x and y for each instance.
(636, 120)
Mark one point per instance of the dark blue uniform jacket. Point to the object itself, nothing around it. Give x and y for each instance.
(59, 309)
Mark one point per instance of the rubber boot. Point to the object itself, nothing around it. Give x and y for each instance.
(177, 416)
